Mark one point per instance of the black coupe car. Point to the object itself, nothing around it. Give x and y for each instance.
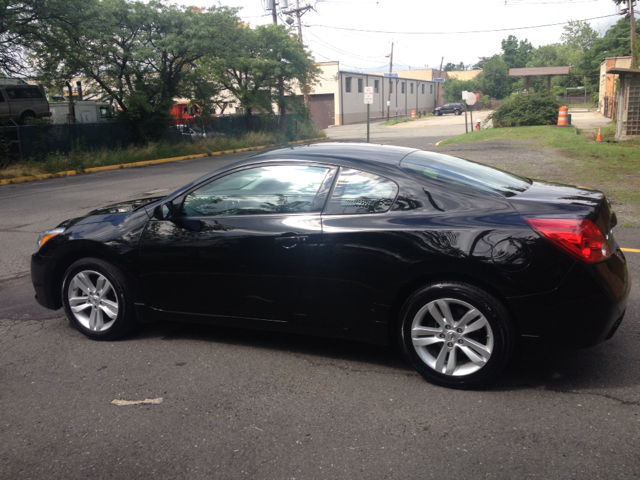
(459, 262)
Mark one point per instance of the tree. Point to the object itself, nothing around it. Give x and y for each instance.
(453, 67)
(494, 79)
(453, 88)
(137, 53)
(258, 58)
(578, 35)
(516, 54)
(614, 43)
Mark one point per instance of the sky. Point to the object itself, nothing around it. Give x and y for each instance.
(358, 33)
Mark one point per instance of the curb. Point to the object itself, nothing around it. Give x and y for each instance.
(68, 173)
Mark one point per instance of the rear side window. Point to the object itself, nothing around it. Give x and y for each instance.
(33, 93)
(361, 192)
(457, 171)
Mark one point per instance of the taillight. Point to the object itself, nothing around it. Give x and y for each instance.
(581, 238)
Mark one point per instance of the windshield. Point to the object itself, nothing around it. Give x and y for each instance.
(464, 172)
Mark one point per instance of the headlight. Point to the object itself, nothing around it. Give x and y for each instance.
(48, 235)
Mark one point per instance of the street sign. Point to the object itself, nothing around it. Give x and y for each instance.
(368, 95)
(471, 98)
(389, 74)
(438, 79)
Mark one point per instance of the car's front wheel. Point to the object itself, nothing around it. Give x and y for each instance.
(97, 300)
(456, 335)
(439, 113)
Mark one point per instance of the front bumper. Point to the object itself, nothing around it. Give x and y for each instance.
(42, 277)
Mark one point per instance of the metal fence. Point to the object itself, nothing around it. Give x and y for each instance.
(36, 141)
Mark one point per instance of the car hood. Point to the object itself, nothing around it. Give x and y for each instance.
(108, 212)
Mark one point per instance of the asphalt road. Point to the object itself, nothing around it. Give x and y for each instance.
(239, 404)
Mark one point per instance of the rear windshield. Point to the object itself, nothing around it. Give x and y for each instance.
(464, 172)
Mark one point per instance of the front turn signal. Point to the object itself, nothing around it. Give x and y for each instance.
(48, 235)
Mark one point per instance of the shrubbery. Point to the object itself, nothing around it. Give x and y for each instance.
(520, 110)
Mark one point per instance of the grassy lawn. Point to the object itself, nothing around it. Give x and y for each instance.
(611, 166)
(80, 160)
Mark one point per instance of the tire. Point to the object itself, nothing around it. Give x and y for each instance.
(26, 117)
(456, 335)
(458, 112)
(439, 113)
(97, 299)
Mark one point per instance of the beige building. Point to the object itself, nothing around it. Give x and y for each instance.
(464, 74)
(338, 98)
(607, 91)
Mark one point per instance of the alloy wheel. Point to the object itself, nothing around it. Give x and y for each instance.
(452, 337)
(92, 300)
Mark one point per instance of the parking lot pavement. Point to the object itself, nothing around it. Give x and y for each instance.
(239, 404)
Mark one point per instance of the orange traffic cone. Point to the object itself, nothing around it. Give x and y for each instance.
(599, 137)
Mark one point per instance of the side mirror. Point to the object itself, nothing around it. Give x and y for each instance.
(164, 211)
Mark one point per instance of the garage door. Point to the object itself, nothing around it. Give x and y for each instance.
(323, 111)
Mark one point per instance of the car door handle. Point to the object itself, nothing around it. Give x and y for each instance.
(290, 241)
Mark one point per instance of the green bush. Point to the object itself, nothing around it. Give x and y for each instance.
(522, 110)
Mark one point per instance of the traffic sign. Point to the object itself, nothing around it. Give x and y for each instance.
(368, 95)
(389, 74)
(438, 79)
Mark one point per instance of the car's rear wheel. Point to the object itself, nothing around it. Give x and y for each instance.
(458, 112)
(96, 299)
(456, 335)
(26, 118)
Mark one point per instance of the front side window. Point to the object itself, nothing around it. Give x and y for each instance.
(277, 189)
(348, 85)
(361, 192)
(360, 85)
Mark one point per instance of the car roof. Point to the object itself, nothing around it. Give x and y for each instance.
(350, 152)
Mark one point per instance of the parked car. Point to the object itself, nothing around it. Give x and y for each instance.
(21, 103)
(463, 264)
(455, 108)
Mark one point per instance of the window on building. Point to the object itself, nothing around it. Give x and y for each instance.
(390, 86)
(360, 82)
(376, 86)
(431, 88)
(402, 87)
(411, 88)
(423, 88)
(347, 86)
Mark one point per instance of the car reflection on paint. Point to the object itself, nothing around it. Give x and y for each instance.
(461, 263)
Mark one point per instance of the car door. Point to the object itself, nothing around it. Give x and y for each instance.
(356, 258)
(239, 245)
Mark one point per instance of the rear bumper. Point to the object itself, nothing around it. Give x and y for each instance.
(583, 311)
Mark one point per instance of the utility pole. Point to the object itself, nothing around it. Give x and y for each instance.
(438, 84)
(274, 13)
(390, 80)
(632, 20)
(299, 12)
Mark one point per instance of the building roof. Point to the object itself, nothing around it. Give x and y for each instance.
(538, 71)
(618, 71)
(464, 74)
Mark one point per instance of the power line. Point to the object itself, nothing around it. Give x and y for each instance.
(459, 33)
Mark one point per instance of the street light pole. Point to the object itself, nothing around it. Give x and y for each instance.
(390, 80)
